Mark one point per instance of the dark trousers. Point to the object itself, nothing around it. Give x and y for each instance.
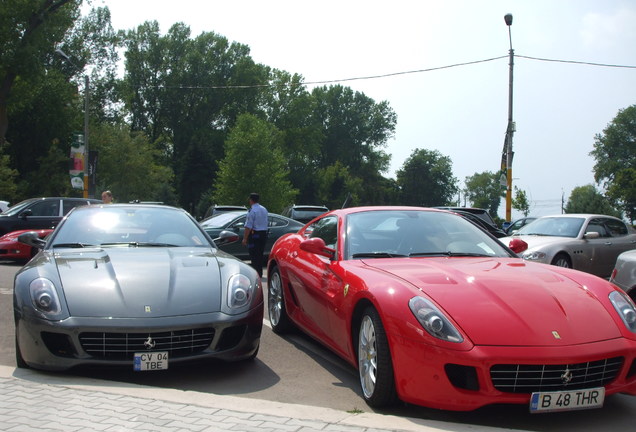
(256, 248)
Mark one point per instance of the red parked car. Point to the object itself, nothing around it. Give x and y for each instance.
(433, 311)
(11, 248)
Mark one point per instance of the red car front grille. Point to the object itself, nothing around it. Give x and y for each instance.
(512, 378)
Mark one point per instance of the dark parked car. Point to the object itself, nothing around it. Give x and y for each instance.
(39, 213)
(215, 209)
(235, 222)
(133, 285)
(518, 224)
(304, 213)
(479, 217)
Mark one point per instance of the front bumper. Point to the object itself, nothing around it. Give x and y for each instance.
(462, 381)
(62, 345)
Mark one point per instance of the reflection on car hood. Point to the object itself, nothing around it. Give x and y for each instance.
(139, 282)
(509, 302)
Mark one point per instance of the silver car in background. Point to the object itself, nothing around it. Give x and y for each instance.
(624, 273)
(586, 242)
(137, 286)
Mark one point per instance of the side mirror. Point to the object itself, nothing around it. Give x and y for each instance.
(518, 245)
(25, 213)
(31, 239)
(226, 237)
(591, 235)
(317, 246)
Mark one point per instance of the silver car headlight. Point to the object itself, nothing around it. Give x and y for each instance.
(534, 256)
(625, 308)
(240, 291)
(44, 296)
(433, 320)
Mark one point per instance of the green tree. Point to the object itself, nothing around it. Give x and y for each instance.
(335, 183)
(484, 190)
(29, 32)
(130, 165)
(520, 201)
(187, 92)
(587, 199)
(254, 163)
(615, 156)
(426, 179)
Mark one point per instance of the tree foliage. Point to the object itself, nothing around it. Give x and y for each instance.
(254, 163)
(426, 179)
(520, 201)
(587, 199)
(484, 190)
(615, 155)
(130, 165)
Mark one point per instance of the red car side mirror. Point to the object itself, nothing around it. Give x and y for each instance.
(518, 245)
(317, 246)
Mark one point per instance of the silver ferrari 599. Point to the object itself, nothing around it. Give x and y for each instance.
(134, 285)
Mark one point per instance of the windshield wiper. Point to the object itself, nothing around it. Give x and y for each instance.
(449, 253)
(376, 255)
(139, 244)
(72, 245)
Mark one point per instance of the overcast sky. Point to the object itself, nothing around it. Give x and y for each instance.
(460, 111)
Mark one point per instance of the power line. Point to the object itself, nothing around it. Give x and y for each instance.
(577, 62)
(397, 73)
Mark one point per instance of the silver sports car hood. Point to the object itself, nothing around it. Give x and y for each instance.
(139, 282)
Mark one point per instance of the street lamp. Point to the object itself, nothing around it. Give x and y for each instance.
(510, 130)
(86, 98)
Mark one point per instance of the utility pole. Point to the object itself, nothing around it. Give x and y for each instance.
(511, 127)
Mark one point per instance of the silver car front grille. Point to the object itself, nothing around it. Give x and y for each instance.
(122, 346)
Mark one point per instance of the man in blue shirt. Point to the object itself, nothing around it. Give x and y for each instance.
(255, 236)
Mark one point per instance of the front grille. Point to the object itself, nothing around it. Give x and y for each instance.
(540, 378)
(121, 346)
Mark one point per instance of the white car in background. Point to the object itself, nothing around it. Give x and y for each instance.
(624, 273)
(586, 242)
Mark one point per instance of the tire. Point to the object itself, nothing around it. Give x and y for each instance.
(375, 367)
(562, 260)
(278, 317)
(18, 357)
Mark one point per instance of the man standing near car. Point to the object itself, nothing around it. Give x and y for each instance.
(255, 235)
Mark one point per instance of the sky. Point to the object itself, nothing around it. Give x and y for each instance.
(442, 103)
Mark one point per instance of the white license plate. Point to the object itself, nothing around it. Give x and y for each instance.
(567, 400)
(147, 361)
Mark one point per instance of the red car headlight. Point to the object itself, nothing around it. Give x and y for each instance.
(433, 320)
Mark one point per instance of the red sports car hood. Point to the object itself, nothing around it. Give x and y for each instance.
(139, 282)
(508, 302)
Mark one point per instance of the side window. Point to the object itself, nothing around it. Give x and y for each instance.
(616, 228)
(327, 229)
(45, 208)
(596, 225)
(68, 205)
(273, 221)
(239, 223)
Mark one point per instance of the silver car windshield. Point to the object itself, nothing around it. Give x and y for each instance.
(412, 233)
(553, 226)
(128, 226)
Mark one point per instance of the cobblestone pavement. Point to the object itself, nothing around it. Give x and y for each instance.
(36, 401)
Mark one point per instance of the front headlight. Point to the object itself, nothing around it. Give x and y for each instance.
(534, 256)
(44, 296)
(240, 291)
(625, 308)
(433, 320)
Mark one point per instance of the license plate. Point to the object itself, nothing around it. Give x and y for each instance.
(567, 400)
(147, 361)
